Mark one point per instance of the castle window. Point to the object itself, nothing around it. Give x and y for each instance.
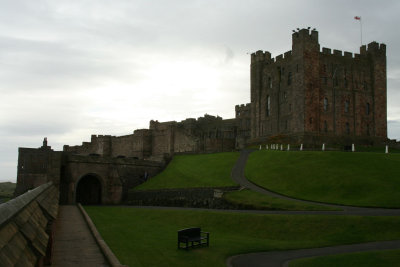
(325, 126)
(367, 109)
(347, 128)
(284, 95)
(289, 79)
(325, 104)
(268, 109)
(335, 81)
(270, 82)
(346, 106)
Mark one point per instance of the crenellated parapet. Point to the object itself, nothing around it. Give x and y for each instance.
(265, 57)
(372, 48)
(305, 34)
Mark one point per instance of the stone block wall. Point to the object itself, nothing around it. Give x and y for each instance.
(37, 167)
(182, 197)
(324, 94)
(26, 224)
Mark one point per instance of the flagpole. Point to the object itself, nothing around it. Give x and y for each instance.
(361, 30)
(359, 18)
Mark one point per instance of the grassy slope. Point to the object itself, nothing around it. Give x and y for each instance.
(365, 259)
(260, 201)
(147, 237)
(208, 170)
(7, 189)
(362, 179)
(202, 170)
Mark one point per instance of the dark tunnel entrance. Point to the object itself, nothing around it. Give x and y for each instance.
(88, 190)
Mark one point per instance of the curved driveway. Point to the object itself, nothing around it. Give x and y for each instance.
(282, 258)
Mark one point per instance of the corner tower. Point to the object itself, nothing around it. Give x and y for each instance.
(311, 96)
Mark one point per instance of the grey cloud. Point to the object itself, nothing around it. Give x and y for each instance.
(62, 62)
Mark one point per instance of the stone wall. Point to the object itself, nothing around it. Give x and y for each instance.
(37, 167)
(26, 227)
(327, 95)
(116, 175)
(182, 197)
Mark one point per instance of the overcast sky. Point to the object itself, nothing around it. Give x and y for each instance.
(69, 69)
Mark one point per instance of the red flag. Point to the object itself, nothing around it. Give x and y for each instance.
(357, 18)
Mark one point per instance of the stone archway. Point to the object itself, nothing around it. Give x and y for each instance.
(88, 190)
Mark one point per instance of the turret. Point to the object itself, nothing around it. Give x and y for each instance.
(304, 39)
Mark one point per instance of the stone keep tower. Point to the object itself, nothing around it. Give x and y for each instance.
(313, 96)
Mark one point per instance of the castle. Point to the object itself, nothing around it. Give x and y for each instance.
(314, 97)
(303, 96)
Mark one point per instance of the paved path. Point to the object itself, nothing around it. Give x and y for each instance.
(74, 244)
(238, 176)
(282, 258)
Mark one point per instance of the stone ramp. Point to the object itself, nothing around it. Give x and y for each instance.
(74, 244)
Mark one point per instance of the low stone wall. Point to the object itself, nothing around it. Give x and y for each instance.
(26, 227)
(183, 197)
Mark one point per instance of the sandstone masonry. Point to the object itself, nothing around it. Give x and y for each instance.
(304, 96)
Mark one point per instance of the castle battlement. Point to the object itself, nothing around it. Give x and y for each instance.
(305, 34)
(242, 106)
(261, 56)
(372, 47)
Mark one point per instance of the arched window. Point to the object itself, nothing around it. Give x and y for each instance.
(346, 106)
(325, 104)
(347, 128)
(268, 109)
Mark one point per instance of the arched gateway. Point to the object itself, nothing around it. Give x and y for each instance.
(88, 190)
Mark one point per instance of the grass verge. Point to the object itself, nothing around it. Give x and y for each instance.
(359, 179)
(148, 237)
(365, 259)
(200, 170)
(7, 190)
(264, 202)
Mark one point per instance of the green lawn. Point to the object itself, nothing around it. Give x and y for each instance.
(200, 170)
(361, 179)
(7, 190)
(257, 200)
(148, 237)
(365, 259)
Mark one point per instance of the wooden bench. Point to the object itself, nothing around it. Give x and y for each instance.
(192, 237)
